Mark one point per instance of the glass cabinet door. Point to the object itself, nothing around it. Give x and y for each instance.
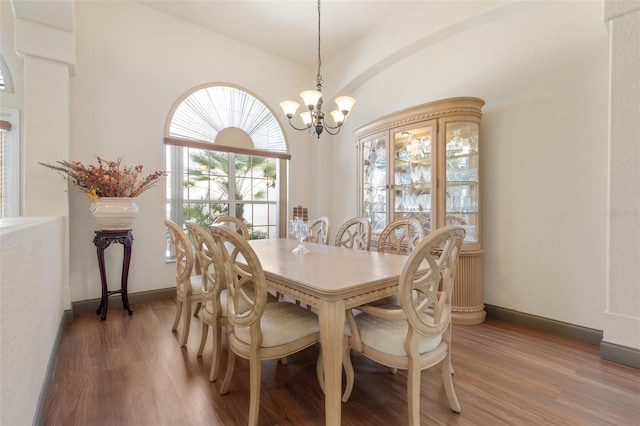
(413, 173)
(374, 181)
(462, 195)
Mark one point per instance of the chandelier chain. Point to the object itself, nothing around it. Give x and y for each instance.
(319, 77)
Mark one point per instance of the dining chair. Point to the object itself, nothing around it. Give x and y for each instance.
(265, 330)
(319, 230)
(355, 233)
(416, 336)
(213, 293)
(401, 236)
(235, 223)
(188, 285)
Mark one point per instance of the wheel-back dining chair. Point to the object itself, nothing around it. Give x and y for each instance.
(235, 223)
(418, 334)
(214, 293)
(319, 230)
(264, 330)
(401, 236)
(354, 233)
(188, 286)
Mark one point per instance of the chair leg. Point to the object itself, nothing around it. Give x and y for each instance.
(203, 337)
(447, 372)
(231, 361)
(413, 392)
(176, 321)
(216, 337)
(186, 324)
(348, 370)
(320, 371)
(255, 372)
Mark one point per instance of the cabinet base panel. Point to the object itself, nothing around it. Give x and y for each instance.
(468, 318)
(466, 302)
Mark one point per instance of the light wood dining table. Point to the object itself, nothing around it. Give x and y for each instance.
(331, 279)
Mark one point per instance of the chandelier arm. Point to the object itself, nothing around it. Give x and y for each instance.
(301, 128)
(328, 126)
(328, 129)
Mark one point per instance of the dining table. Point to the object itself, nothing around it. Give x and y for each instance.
(331, 279)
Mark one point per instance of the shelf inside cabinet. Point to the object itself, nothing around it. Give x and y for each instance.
(422, 188)
(410, 161)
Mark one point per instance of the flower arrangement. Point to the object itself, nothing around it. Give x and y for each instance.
(108, 178)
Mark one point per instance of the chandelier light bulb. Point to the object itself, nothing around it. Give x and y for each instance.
(338, 116)
(289, 108)
(310, 98)
(345, 103)
(306, 118)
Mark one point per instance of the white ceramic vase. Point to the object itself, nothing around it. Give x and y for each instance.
(114, 213)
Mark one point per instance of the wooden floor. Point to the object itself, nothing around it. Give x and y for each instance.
(131, 371)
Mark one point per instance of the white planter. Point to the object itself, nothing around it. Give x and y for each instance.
(114, 213)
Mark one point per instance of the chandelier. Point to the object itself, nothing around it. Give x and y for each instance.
(314, 119)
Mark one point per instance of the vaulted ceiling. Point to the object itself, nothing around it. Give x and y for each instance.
(289, 29)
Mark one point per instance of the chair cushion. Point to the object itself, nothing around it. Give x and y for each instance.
(389, 336)
(223, 303)
(282, 323)
(196, 285)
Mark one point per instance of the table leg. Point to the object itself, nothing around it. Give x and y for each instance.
(104, 302)
(331, 315)
(125, 277)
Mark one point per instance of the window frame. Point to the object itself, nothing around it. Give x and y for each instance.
(10, 169)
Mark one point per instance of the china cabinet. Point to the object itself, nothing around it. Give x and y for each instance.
(424, 162)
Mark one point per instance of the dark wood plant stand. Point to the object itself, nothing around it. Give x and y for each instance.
(102, 240)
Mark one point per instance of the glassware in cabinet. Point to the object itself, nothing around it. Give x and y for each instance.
(462, 195)
(373, 162)
(412, 179)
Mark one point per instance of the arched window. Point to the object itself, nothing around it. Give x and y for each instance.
(226, 155)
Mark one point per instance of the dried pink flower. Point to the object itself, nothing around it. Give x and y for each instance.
(108, 178)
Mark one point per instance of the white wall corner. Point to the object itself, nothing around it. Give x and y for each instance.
(43, 41)
(621, 330)
(46, 29)
(615, 8)
(622, 315)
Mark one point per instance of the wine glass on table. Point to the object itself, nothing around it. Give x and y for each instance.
(300, 230)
